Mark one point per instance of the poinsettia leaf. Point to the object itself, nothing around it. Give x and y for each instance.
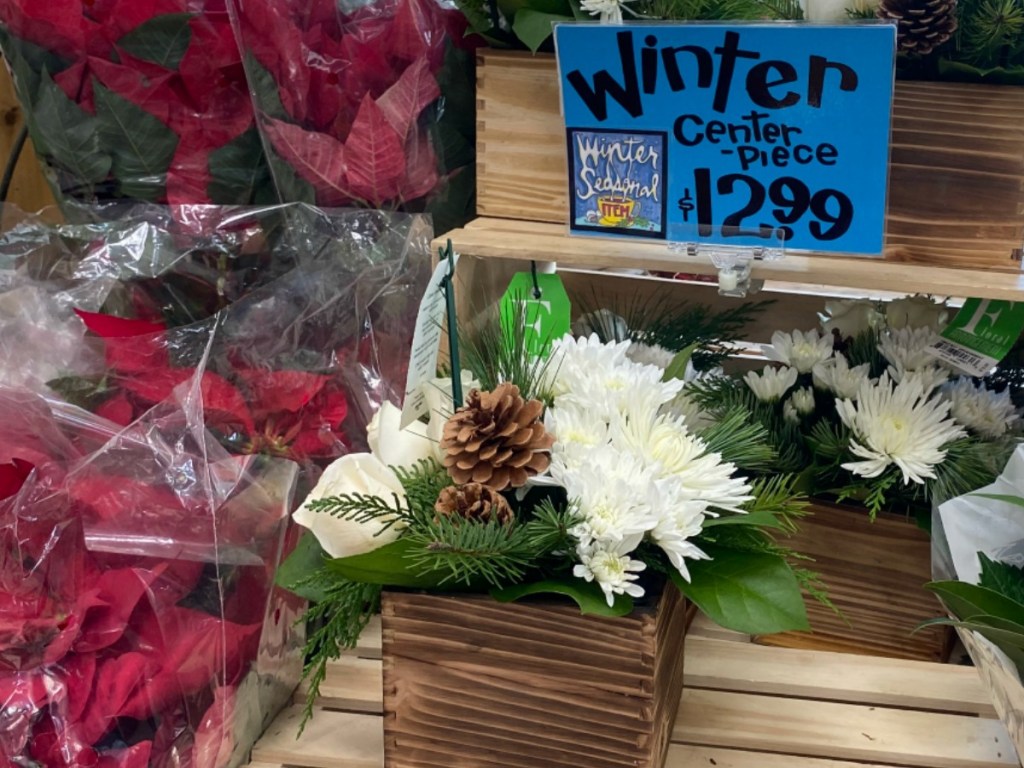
(68, 134)
(421, 177)
(403, 102)
(586, 594)
(387, 565)
(287, 186)
(162, 39)
(13, 475)
(142, 146)
(535, 27)
(264, 89)
(27, 61)
(238, 171)
(109, 326)
(751, 592)
(376, 161)
(316, 157)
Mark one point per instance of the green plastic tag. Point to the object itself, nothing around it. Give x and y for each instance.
(543, 318)
(980, 335)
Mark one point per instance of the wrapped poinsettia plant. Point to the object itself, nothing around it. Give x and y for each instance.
(868, 414)
(138, 99)
(576, 474)
(139, 621)
(363, 103)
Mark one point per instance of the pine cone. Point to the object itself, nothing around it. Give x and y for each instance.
(496, 439)
(922, 25)
(474, 501)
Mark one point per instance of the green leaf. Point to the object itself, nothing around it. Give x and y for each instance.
(68, 134)
(965, 601)
(751, 592)
(586, 594)
(387, 565)
(307, 558)
(142, 146)
(1016, 500)
(1004, 578)
(28, 61)
(760, 518)
(264, 89)
(677, 368)
(162, 40)
(535, 27)
(238, 171)
(288, 186)
(1010, 641)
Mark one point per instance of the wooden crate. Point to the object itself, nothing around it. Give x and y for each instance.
(875, 573)
(472, 682)
(743, 706)
(956, 173)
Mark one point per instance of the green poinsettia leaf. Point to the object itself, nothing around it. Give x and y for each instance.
(28, 61)
(755, 593)
(388, 566)
(1004, 578)
(677, 368)
(965, 601)
(68, 135)
(294, 573)
(264, 89)
(142, 146)
(239, 173)
(535, 27)
(162, 39)
(586, 594)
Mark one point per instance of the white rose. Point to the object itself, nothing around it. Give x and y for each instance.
(360, 473)
(916, 311)
(394, 446)
(851, 317)
(438, 393)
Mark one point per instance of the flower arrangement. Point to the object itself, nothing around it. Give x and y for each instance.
(577, 477)
(367, 106)
(870, 413)
(140, 99)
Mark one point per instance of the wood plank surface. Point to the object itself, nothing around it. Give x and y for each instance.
(29, 188)
(331, 740)
(841, 731)
(688, 756)
(956, 177)
(517, 241)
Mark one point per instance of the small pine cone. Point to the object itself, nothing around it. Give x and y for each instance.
(922, 25)
(474, 501)
(496, 439)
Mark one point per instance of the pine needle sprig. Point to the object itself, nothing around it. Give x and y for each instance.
(863, 348)
(470, 552)
(777, 495)
(970, 464)
(548, 531)
(364, 508)
(337, 622)
(740, 440)
(423, 483)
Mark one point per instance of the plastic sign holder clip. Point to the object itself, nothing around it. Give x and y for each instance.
(733, 263)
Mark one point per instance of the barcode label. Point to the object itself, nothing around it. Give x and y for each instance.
(962, 358)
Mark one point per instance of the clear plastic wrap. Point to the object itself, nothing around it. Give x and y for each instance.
(137, 99)
(363, 103)
(139, 622)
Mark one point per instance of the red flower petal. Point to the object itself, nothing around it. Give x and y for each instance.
(135, 756)
(109, 326)
(376, 162)
(13, 476)
(316, 157)
(130, 345)
(117, 409)
(118, 593)
(273, 391)
(403, 102)
(421, 177)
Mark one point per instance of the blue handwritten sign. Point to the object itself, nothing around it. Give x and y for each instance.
(734, 134)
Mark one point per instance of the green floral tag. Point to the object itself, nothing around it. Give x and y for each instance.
(540, 305)
(980, 335)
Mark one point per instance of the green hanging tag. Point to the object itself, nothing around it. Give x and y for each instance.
(980, 335)
(539, 318)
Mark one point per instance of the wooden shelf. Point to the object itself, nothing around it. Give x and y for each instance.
(496, 238)
(744, 706)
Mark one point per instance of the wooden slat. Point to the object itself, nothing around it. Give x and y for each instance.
(351, 684)
(368, 646)
(841, 731)
(732, 666)
(703, 627)
(492, 238)
(956, 171)
(684, 756)
(331, 740)
(29, 189)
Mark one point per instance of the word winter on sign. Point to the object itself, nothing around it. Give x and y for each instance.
(724, 134)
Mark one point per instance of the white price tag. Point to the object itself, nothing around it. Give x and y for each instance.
(426, 342)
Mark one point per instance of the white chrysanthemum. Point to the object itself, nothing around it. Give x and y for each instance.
(577, 432)
(930, 377)
(789, 412)
(610, 499)
(907, 348)
(678, 524)
(611, 567)
(573, 360)
(798, 349)
(653, 354)
(671, 452)
(982, 411)
(684, 406)
(803, 401)
(851, 317)
(772, 383)
(610, 10)
(837, 377)
(897, 424)
(917, 311)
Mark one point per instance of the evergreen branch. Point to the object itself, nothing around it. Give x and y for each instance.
(740, 440)
(339, 620)
(812, 584)
(471, 551)
(364, 508)
(863, 348)
(548, 531)
(777, 495)
(970, 464)
(423, 483)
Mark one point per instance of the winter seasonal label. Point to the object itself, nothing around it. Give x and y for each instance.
(729, 134)
(980, 335)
